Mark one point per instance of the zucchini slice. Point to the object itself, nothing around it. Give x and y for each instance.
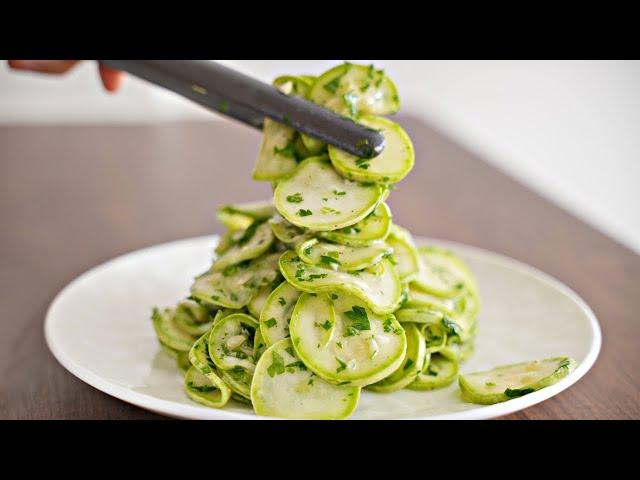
(286, 232)
(372, 229)
(283, 387)
(274, 319)
(256, 304)
(261, 210)
(277, 157)
(208, 389)
(405, 255)
(292, 85)
(411, 365)
(313, 145)
(169, 333)
(442, 273)
(314, 196)
(364, 347)
(255, 241)
(182, 361)
(259, 345)
(458, 352)
(231, 342)
(239, 381)
(391, 166)
(379, 287)
(192, 318)
(437, 373)
(341, 257)
(434, 326)
(235, 289)
(512, 381)
(351, 89)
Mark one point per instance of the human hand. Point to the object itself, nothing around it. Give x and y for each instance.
(111, 79)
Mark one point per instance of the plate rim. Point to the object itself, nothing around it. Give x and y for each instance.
(176, 410)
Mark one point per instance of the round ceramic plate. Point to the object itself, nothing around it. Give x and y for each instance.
(99, 328)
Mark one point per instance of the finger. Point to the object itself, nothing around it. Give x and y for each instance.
(111, 79)
(55, 67)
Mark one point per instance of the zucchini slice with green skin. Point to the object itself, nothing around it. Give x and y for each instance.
(286, 232)
(372, 229)
(351, 89)
(182, 361)
(434, 326)
(233, 222)
(199, 355)
(438, 373)
(458, 352)
(381, 289)
(292, 85)
(314, 196)
(231, 342)
(260, 210)
(255, 241)
(442, 273)
(169, 333)
(259, 345)
(236, 289)
(511, 381)
(391, 166)
(192, 318)
(341, 257)
(208, 390)
(239, 381)
(364, 347)
(277, 156)
(256, 305)
(405, 254)
(411, 365)
(313, 145)
(274, 319)
(283, 387)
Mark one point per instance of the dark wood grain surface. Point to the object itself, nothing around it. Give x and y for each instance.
(73, 197)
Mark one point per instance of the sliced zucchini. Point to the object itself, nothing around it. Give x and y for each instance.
(434, 326)
(351, 89)
(277, 157)
(314, 196)
(199, 355)
(341, 257)
(237, 288)
(182, 361)
(364, 347)
(169, 333)
(405, 254)
(458, 352)
(255, 241)
(391, 166)
(259, 345)
(283, 387)
(291, 85)
(379, 287)
(208, 389)
(512, 381)
(438, 373)
(261, 210)
(256, 304)
(274, 319)
(411, 365)
(286, 232)
(442, 273)
(231, 342)
(372, 229)
(313, 145)
(225, 312)
(192, 318)
(239, 381)
(233, 222)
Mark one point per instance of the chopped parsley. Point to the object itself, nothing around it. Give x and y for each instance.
(334, 296)
(408, 365)
(343, 366)
(304, 212)
(490, 384)
(295, 198)
(358, 317)
(362, 163)
(272, 322)
(307, 250)
(326, 325)
(289, 350)
(287, 151)
(282, 301)
(517, 392)
(338, 193)
(277, 366)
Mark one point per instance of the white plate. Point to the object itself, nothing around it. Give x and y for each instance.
(98, 327)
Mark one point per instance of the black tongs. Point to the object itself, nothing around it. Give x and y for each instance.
(244, 98)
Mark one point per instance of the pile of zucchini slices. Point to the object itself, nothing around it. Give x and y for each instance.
(318, 294)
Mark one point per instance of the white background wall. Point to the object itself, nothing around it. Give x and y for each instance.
(570, 130)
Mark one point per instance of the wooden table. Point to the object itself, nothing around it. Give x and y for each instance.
(73, 197)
